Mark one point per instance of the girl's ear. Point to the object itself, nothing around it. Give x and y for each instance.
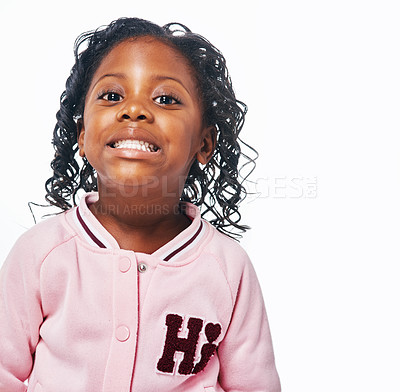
(209, 140)
(80, 136)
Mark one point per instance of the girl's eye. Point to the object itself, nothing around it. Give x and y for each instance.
(167, 100)
(111, 96)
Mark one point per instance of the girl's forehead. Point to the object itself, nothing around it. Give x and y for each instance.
(152, 54)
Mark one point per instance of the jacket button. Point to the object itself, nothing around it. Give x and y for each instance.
(142, 267)
(122, 333)
(124, 264)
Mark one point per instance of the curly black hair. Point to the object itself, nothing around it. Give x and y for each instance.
(218, 186)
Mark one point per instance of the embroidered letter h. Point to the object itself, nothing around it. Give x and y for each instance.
(186, 345)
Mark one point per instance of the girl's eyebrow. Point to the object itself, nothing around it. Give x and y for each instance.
(110, 75)
(162, 77)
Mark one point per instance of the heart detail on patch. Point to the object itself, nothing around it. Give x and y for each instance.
(212, 331)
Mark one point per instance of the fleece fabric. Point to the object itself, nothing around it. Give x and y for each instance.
(79, 314)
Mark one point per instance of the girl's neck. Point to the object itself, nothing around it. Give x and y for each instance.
(141, 224)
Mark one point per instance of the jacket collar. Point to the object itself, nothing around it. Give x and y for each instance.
(96, 235)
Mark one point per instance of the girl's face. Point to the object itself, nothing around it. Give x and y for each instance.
(142, 123)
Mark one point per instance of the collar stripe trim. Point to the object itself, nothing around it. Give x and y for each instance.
(187, 243)
(88, 231)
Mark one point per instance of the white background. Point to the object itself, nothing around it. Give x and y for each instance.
(321, 79)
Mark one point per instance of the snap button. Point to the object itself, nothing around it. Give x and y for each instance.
(124, 264)
(38, 388)
(122, 333)
(142, 267)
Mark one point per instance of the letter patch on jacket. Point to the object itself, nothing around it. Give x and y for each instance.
(188, 345)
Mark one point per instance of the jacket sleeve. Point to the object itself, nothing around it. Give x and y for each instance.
(246, 353)
(20, 317)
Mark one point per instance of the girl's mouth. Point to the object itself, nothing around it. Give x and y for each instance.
(133, 144)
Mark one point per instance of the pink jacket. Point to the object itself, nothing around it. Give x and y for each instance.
(77, 313)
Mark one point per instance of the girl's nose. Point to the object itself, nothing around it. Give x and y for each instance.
(135, 111)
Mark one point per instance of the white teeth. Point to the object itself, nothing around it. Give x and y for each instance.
(135, 145)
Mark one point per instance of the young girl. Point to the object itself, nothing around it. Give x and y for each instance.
(132, 290)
